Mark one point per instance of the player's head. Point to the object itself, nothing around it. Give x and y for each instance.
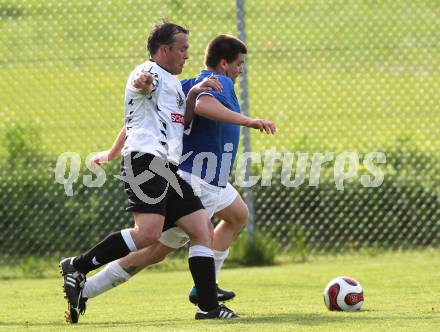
(226, 54)
(168, 46)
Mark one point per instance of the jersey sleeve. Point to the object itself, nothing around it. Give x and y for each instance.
(187, 84)
(222, 96)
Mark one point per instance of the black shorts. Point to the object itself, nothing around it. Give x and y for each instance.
(154, 193)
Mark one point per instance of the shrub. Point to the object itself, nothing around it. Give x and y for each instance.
(260, 250)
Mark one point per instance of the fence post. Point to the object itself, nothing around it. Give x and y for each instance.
(246, 140)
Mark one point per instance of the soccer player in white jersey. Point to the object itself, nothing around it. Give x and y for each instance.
(154, 123)
(215, 125)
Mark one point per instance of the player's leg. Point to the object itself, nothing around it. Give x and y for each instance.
(123, 269)
(201, 263)
(118, 272)
(189, 215)
(114, 246)
(149, 220)
(234, 214)
(146, 231)
(201, 258)
(233, 218)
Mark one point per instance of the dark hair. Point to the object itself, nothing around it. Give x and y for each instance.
(163, 34)
(223, 47)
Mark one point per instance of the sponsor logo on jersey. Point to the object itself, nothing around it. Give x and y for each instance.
(178, 118)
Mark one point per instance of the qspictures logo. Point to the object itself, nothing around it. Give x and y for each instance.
(295, 170)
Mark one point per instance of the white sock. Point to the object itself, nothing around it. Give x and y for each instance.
(111, 276)
(200, 251)
(219, 258)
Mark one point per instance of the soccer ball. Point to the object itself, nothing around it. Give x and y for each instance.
(343, 294)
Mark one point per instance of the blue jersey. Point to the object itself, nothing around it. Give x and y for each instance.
(213, 143)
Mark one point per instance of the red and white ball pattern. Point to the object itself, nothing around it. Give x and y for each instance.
(343, 294)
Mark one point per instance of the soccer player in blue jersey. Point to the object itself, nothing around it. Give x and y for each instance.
(209, 151)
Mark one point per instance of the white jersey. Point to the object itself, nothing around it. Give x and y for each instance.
(154, 123)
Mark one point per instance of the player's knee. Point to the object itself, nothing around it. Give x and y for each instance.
(204, 237)
(202, 234)
(243, 216)
(143, 236)
(239, 218)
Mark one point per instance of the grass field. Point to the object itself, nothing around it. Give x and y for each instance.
(402, 293)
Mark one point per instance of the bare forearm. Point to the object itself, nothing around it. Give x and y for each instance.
(118, 144)
(190, 106)
(211, 108)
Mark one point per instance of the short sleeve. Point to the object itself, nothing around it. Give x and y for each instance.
(187, 84)
(222, 96)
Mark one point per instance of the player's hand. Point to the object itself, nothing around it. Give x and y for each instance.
(263, 125)
(100, 157)
(208, 83)
(144, 82)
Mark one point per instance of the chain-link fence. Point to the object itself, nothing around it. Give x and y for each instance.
(352, 85)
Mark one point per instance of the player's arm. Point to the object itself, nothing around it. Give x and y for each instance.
(113, 153)
(210, 82)
(190, 105)
(209, 107)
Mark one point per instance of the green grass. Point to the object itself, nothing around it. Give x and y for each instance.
(401, 290)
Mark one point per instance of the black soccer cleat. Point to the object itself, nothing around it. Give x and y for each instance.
(221, 312)
(72, 317)
(222, 295)
(73, 284)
